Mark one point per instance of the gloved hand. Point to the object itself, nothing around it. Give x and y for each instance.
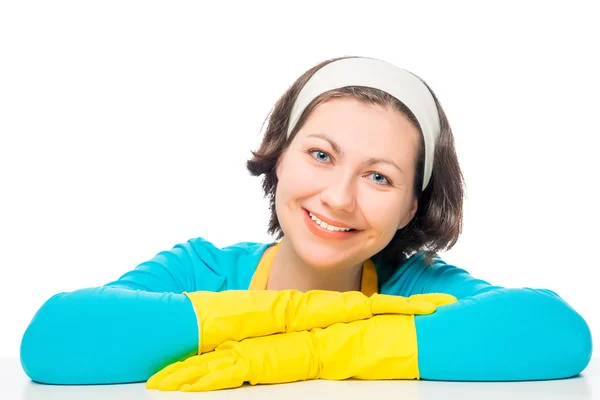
(241, 314)
(382, 347)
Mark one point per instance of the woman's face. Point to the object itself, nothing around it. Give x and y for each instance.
(334, 169)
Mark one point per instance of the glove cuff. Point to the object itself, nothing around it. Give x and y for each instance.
(199, 322)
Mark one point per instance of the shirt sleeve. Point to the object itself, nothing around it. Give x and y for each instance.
(495, 333)
(126, 330)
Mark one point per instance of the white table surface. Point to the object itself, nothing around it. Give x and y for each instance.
(15, 385)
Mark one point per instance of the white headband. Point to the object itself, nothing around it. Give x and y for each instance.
(377, 74)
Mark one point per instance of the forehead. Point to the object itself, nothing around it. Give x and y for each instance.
(364, 130)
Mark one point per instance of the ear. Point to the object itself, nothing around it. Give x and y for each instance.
(410, 215)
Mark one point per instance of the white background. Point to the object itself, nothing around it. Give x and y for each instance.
(125, 127)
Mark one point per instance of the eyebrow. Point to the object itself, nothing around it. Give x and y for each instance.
(337, 149)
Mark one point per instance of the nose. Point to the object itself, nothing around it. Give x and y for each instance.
(339, 194)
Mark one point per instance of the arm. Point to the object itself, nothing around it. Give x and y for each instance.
(494, 333)
(126, 330)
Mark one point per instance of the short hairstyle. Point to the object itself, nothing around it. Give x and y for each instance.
(437, 223)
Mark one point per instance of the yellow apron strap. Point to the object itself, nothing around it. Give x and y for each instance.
(261, 275)
(368, 284)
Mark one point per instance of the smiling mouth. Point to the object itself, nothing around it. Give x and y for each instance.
(325, 226)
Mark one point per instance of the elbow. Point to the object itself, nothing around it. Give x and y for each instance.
(579, 345)
(36, 342)
(570, 336)
(32, 365)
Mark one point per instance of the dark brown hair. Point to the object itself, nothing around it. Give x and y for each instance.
(438, 221)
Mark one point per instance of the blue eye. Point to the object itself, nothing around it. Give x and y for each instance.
(320, 155)
(385, 181)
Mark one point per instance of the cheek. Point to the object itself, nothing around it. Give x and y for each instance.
(382, 211)
(297, 179)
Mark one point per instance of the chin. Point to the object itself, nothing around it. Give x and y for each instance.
(321, 255)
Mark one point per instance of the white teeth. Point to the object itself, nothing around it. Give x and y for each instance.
(325, 225)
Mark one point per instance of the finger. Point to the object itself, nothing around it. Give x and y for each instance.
(389, 304)
(439, 299)
(155, 379)
(178, 378)
(228, 378)
(419, 307)
(213, 355)
(192, 374)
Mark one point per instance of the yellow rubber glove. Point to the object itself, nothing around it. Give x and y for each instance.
(241, 314)
(382, 347)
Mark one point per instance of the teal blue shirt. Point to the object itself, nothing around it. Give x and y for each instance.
(127, 330)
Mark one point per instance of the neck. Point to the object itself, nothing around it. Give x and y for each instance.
(289, 271)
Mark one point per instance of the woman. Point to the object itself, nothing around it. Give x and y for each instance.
(364, 186)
